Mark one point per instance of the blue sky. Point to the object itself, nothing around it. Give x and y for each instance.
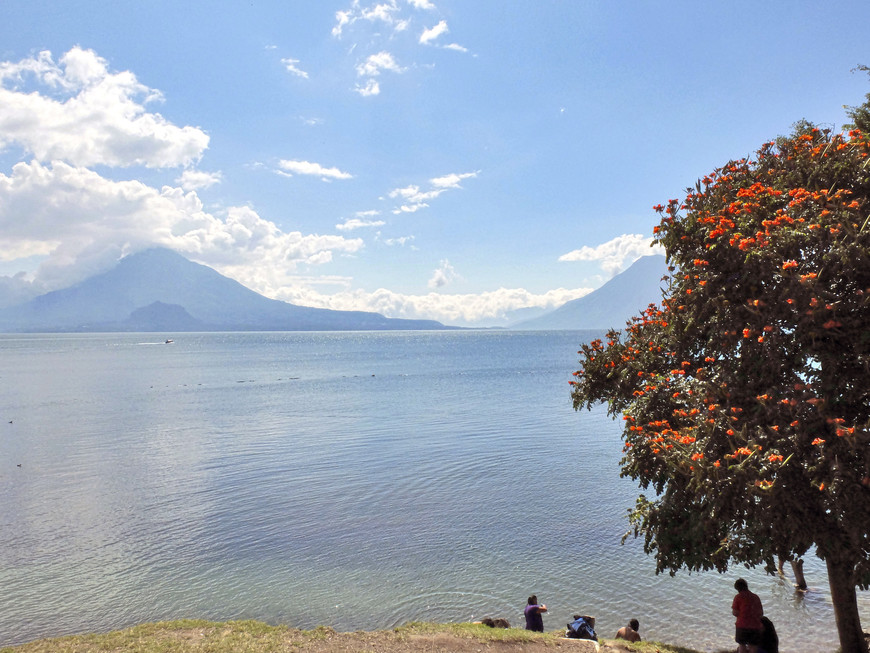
(421, 158)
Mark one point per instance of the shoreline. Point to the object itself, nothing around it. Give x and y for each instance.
(194, 636)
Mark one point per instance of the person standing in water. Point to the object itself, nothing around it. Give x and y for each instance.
(533, 612)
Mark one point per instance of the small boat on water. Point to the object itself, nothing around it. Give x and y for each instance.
(169, 341)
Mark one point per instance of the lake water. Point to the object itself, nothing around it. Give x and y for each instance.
(355, 480)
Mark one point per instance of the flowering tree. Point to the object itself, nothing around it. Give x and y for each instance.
(746, 394)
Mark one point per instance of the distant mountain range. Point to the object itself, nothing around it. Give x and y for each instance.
(160, 290)
(611, 305)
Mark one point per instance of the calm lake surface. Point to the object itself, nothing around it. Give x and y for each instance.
(356, 480)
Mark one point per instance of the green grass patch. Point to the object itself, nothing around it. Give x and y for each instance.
(651, 647)
(197, 636)
(473, 631)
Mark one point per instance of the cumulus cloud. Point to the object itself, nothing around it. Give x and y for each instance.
(443, 275)
(196, 179)
(18, 289)
(488, 308)
(409, 208)
(383, 13)
(371, 68)
(92, 221)
(429, 36)
(342, 19)
(617, 254)
(375, 63)
(452, 180)
(76, 110)
(413, 194)
(366, 23)
(371, 87)
(433, 33)
(415, 198)
(358, 223)
(290, 168)
(291, 66)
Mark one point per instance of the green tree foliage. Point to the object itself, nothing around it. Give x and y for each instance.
(860, 115)
(746, 394)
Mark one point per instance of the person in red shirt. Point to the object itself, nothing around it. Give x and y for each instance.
(746, 606)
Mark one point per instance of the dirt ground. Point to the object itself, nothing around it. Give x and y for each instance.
(391, 642)
(256, 637)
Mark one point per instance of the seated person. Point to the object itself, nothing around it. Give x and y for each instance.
(769, 638)
(629, 632)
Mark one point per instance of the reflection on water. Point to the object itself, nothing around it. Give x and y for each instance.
(355, 480)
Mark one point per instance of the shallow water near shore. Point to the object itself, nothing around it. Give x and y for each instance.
(356, 480)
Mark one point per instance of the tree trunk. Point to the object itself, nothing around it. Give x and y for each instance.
(797, 566)
(841, 578)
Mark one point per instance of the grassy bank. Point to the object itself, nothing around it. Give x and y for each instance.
(191, 636)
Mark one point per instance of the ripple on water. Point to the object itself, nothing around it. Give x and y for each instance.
(353, 480)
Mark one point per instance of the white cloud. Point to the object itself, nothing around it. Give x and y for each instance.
(429, 36)
(401, 241)
(443, 275)
(315, 169)
(488, 308)
(196, 179)
(371, 68)
(342, 19)
(433, 33)
(414, 194)
(409, 208)
(614, 253)
(92, 221)
(89, 116)
(18, 289)
(371, 88)
(417, 199)
(291, 67)
(358, 223)
(381, 12)
(385, 13)
(375, 63)
(366, 21)
(452, 180)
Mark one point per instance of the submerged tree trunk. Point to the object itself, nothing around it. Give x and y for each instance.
(844, 597)
(797, 566)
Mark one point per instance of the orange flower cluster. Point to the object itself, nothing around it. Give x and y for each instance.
(750, 207)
